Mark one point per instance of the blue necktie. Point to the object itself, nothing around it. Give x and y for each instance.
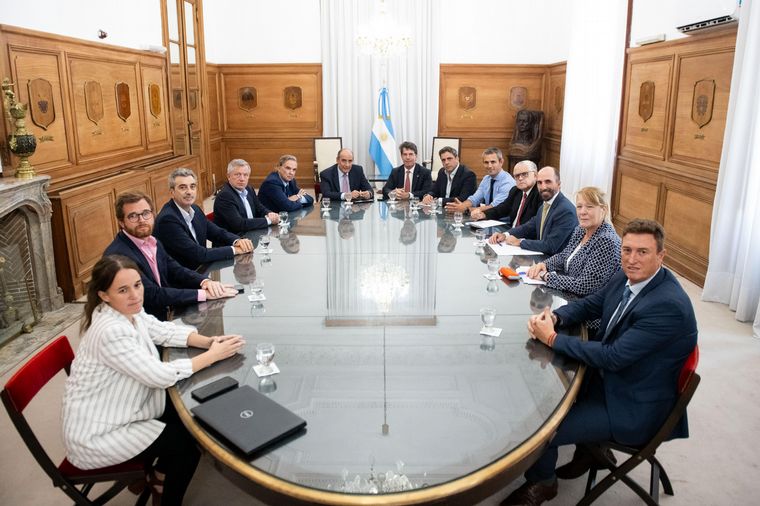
(619, 312)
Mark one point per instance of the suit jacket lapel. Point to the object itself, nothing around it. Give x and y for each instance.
(142, 262)
(650, 286)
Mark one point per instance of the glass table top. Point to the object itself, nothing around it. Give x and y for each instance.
(374, 313)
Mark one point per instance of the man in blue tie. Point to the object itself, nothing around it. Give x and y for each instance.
(648, 330)
(280, 192)
(494, 188)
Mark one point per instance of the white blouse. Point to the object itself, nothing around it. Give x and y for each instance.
(115, 392)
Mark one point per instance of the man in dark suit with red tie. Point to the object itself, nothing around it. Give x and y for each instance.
(648, 330)
(183, 229)
(523, 200)
(344, 180)
(236, 207)
(454, 181)
(410, 178)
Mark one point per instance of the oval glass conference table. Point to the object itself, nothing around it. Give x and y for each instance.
(375, 318)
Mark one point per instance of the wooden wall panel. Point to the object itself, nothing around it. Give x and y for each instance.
(551, 152)
(218, 164)
(646, 135)
(157, 123)
(214, 112)
(668, 172)
(490, 122)
(692, 144)
(263, 154)
(271, 114)
(52, 149)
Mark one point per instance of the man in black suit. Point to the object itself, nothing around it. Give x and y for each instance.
(236, 207)
(410, 178)
(183, 229)
(550, 229)
(344, 180)
(280, 191)
(522, 202)
(166, 283)
(454, 181)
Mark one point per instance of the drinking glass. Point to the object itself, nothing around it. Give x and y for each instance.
(492, 286)
(487, 316)
(257, 287)
(264, 241)
(284, 215)
(392, 196)
(480, 236)
(458, 219)
(433, 206)
(493, 268)
(264, 355)
(325, 204)
(414, 203)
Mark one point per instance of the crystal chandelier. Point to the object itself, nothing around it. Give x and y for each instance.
(383, 37)
(384, 282)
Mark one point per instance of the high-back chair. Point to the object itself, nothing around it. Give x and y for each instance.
(434, 163)
(687, 385)
(21, 389)
(325, 151)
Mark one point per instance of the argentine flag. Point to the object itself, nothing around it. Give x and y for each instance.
(382, 145)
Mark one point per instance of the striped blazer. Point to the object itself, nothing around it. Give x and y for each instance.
(115, 392)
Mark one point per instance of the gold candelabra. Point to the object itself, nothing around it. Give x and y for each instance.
(20, 142)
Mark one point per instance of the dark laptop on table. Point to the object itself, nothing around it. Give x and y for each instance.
(248, 419)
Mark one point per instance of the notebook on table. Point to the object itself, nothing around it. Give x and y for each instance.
(248, 419)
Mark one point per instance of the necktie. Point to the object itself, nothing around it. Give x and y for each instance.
(490, 199)
(448, 186)
(344, 186)
(543, 220)
(619, 311)
(247, 205)
(520, 209)
(407, 183)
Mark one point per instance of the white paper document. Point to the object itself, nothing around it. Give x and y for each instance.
(523, 272)
(485, 223)
(503, 248)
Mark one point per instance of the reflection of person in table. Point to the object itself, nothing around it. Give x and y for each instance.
(408, 233)
(115, 404)
(289, 242)
(448, 242)
(244, 269)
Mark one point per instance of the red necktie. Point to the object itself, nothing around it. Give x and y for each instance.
(407, 184)
(520, 209)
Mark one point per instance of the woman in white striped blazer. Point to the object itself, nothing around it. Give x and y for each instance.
(115, 405)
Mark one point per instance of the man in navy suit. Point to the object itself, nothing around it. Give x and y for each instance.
(236, 207)
(647, 332)
(166, 282)
(522, 201)
(550, 229)
(344, 180)
(454, 181)
(409, 178)
(280, 192)
(183, 229)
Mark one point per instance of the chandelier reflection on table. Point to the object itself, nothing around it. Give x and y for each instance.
(383, 282)
(383, 36)
(382, 483)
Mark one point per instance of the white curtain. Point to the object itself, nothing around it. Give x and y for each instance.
(593, 88)
(352, 80)
(733, 274)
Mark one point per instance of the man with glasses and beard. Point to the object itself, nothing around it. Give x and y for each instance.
(522, 201)
(165, 281)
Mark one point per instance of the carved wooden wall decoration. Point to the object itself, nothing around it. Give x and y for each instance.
(41, 103)
(518, 97)
(468, 97)
(93, 101)
(247, 99)
(293, 97)
(154, 95)
(674, 115)
(123, 102)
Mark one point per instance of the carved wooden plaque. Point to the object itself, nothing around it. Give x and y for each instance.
(192, 98)
(154, 98)
(247, 99)
(93, 101)
(646, 100)
(702, 101)
(177, 98)
(518, 97)
(467, 97)
(123, 104)
(41, 102)
(293, 97)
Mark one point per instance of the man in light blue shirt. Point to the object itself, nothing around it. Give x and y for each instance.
(494, 188)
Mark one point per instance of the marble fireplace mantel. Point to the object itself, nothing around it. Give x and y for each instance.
(29, 196)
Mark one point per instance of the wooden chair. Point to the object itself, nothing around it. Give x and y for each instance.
(434, 164)
(325, 151)
(21, 389)
(688, 381)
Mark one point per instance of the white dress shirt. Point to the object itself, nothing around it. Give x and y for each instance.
(116, 390)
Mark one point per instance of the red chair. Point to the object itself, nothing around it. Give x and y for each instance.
(21, 389)
(688, 381)
(210, 216)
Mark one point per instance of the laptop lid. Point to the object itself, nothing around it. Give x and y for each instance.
(248, 419)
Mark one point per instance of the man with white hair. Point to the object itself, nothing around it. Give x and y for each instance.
(236, 207)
